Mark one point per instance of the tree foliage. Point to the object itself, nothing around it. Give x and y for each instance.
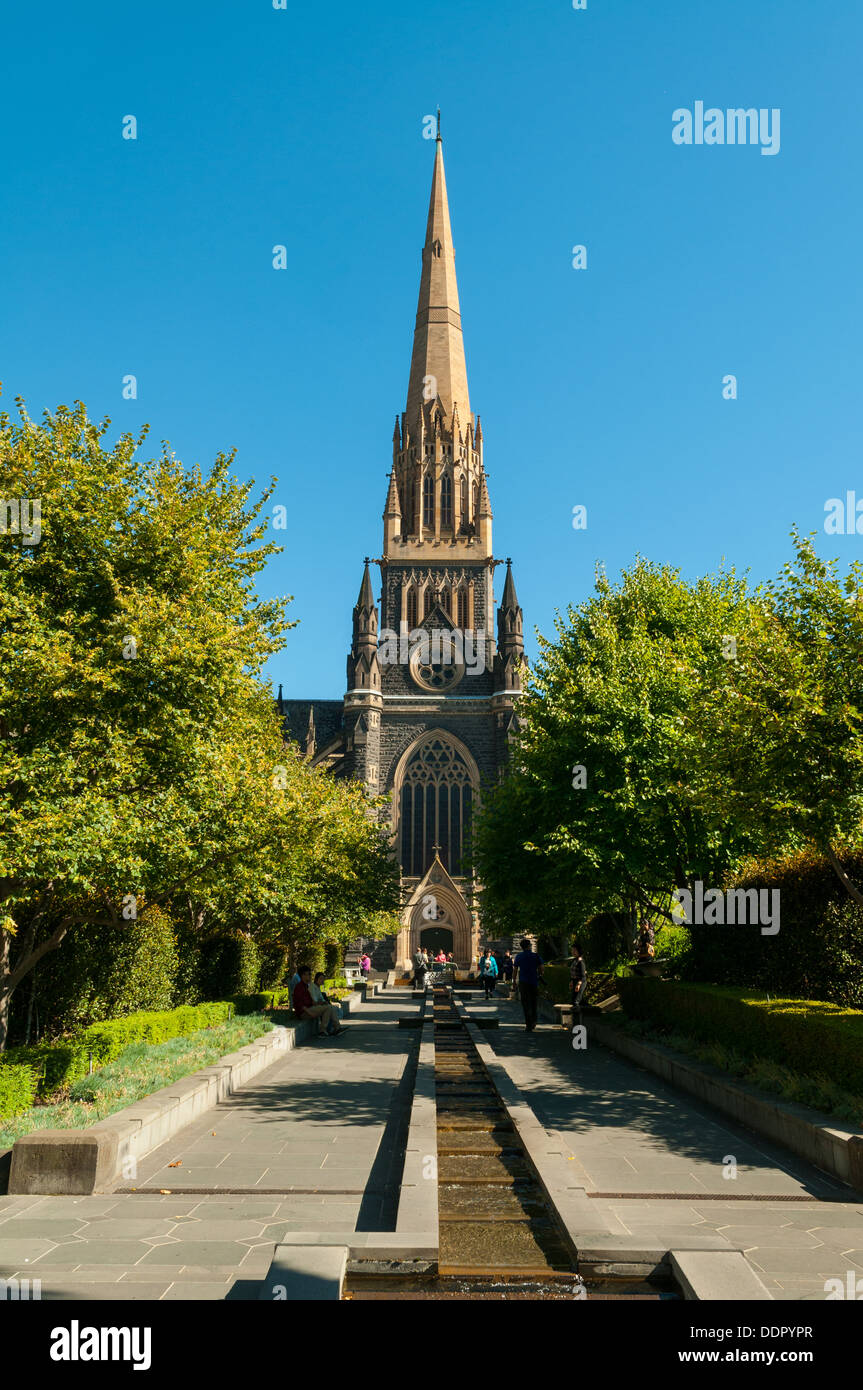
(142, 758)
(671, 731)
(600, 809)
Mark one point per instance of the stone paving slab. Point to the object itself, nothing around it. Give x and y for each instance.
(319, 1117)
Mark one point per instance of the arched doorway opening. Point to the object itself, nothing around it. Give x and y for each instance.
(437, 939)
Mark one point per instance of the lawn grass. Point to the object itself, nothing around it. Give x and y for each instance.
(138, 1071)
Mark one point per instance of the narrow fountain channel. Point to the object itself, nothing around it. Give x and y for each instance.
(499, 1234)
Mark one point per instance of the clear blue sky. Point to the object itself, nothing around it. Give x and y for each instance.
(603, 387)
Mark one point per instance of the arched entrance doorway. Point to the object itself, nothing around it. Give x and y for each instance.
(437, 914)
(436, 939)
(450, 928)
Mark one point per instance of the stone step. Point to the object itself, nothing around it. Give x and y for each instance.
(465, 1142)
(493, 1203)
(527, 1249)
(482, 1121)
(504, 1169)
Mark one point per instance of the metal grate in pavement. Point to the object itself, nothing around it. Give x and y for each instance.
(720, 1197)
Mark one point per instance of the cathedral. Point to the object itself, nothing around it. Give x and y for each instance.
(430, 705)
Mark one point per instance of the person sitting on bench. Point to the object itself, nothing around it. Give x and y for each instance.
(316, 989)
(305, 1006)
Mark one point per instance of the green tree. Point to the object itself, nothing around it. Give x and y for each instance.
(602, 807)
(143, 759)
(782, 728)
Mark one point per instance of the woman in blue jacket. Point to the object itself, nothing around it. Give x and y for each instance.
(488, 972)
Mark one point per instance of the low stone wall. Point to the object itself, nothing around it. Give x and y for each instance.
(418, 1199)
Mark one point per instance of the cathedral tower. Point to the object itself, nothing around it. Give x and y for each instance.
(430, 706)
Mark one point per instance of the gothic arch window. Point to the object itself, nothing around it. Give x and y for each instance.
(464, 514)
(412, 608)
(446, 600)
(428, 501)
(446, 501)
(435, 808)
(462, 608)
(476, 499)
(428, 604)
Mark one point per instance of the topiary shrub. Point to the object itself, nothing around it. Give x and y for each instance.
(230, 963)
(274, 963)
(817, 952)
(333, 959)
(310, 954)
(18, 1086)
(103, 972)
(557, 979)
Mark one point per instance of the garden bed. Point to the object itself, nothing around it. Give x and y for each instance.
(140, 1069)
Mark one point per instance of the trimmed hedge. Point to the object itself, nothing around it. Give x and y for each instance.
(262, 1000)
(811, 1037)
(18, 1085)
(229, 964)
(60, 1064)
(557, 979)
(274, 963)
(818, 950)
(333, 959)
(101, 972)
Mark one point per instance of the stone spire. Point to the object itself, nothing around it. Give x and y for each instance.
(311, 740)
(363, 699)
(438, 344)
(363, 667)
(437, 445)
(510, 636)
(392, 512)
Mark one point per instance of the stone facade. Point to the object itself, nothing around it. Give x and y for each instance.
(430, 705)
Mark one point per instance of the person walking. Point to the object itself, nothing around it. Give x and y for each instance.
(527, 969)
(577, 981)
(421, 965)
(488, 972)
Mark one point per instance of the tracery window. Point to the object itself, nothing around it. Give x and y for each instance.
(412, 608)
(435, 808)
(428, 501)
(462, 608)
(464, 513)
(446, 501)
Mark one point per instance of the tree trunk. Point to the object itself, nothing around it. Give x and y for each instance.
(11, 974)
(843, 877)
(5, 1000)
(29, 1023)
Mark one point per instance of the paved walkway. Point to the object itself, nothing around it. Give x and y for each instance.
(316, 1142)
(318, 1138)
(628, 1133)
